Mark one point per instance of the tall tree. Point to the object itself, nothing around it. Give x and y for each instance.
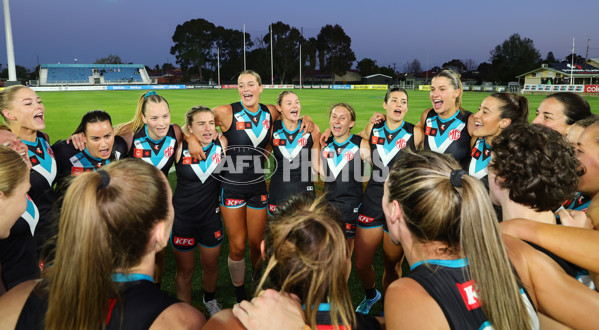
(110, 59)
(310, 51)
(230, 44)
(514, 56)
(286, 41)
(334, 50)
(469, 64)
(193, 44)
(367, 66)
(550, 58)
(413, 67)
(22, 72)
(577, 59)
(455, 65)
(485, 72)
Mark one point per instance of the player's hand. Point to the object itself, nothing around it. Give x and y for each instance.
(324, 136)
(573, 218)
(78, 141)
(195, 148)
(270, 310)
(377, 117)
(307, 125)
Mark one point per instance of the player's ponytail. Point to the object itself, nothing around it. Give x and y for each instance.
(513, 106)
(105, 226)
(443, 204)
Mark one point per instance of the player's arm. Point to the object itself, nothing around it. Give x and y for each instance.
(365, 151)
(178, 133)
(577, 245)
(420, 126)
(315, 156)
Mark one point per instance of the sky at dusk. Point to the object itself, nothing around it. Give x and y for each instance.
(140, 31)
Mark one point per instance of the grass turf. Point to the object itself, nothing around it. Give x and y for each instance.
(64, 111)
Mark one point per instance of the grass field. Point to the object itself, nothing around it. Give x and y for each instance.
(64, 111)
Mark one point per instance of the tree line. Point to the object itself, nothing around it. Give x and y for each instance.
(199, 46)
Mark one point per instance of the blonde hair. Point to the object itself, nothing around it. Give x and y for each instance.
(462, 218)
(7, 95)
(307, 255)
(189, 116)
(103, 226)
(13, 170)
(135, 124)
(253, 73)
(456, 83)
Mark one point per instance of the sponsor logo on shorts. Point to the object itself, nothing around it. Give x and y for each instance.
(218, 234)
(364, 219)
(183, 241)
(272, 208)
(454, 134)
(233, 202)
(217, 210)
(348, 226)
(468, 292)
(263, 198)
(356, 210)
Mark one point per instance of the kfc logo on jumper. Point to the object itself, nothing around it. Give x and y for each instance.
(348, 156)
(454, 134)
(365, 219)
(468, 292)
(184, 241)
(266, 124)
(168, 152)
(233, 202)
(400, 144)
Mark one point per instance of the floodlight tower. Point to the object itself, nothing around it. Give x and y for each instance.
(10, 51)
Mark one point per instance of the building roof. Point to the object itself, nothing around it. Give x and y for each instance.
(578, 70)
(377, 74)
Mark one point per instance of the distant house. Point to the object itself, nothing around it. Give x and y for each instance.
(377, 79)
(317, 77)
(593, 62)
(560, 73)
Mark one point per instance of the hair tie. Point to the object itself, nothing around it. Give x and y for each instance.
(456, 177)
(105, 179)
(148, 94)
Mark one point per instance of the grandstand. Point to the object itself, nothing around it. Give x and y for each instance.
(93, 74)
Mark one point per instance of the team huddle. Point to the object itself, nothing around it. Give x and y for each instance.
(496, 217)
